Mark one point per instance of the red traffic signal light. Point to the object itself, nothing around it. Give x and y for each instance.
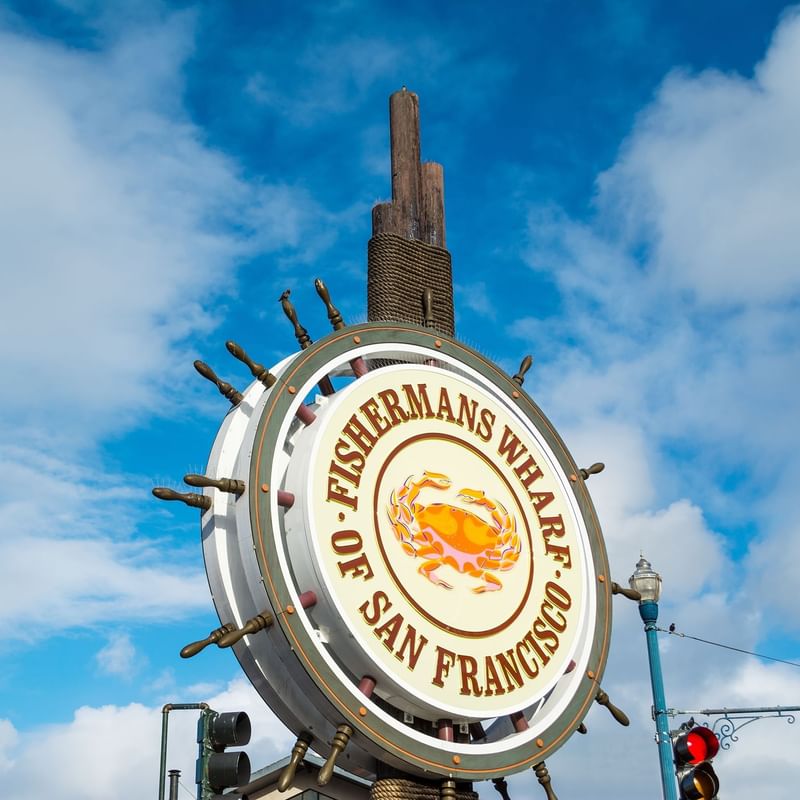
(696, 745)
(693, 749)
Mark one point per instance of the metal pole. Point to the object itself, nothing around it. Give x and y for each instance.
(174, 777)
(162, 772)
(724, 712)
(648, 610)
(163, 764)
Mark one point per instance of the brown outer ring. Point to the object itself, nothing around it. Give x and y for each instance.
(287, 623)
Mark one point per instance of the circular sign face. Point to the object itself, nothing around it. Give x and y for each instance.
(447, 540)
(424, 550)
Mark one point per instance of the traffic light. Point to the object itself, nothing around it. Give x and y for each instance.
(694, 747)
(216, 769)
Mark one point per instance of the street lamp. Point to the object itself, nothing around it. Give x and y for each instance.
(647, 582)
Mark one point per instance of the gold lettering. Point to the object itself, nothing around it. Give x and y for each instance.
(484, 429)
(528, 472)
(391, 402)
(347, 456)
(444, 660)
(346, 542)
(444, 405)
(508, 664)
(357, 567)
(339, 494)
(558, 594)
(552, 526)
(410, 642)
(370, 411)
(467, 408)
(528, 667)
(531, 642)
(360, 435)
(390, 629)
(469, 672)
(540, 500)
(560, 553)
(348, 475)
(510, 446)
(559, 626)
(545, 635)
(417, 401)
(378, 598)
(492, 678)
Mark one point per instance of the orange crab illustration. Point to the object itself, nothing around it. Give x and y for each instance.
(446, 535)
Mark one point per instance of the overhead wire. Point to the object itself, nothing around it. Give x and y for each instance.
(728, 647)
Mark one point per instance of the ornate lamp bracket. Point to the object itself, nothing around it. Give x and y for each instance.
(731, 720)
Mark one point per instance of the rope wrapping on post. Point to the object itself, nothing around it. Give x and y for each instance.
(398, 272)
(403, 789)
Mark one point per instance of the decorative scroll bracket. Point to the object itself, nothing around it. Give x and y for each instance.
(732, 720)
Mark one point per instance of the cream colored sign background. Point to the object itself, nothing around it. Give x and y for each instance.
(452, 648)
(461, 607)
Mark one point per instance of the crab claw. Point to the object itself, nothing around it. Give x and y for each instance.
(471, 495)
(428, 569)
(436, 479)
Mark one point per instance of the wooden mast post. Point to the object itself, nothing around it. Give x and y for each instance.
(407, 254)
(409, 279)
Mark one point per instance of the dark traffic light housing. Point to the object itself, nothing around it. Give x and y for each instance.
(216, 769)
(694, 747)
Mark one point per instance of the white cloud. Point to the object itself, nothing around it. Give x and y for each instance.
(476, 297)
(203, 689)
(69, 555)
(118, 747)
(91, 581)
(684, 377)
(117, 222)
(113, 751)
(119, 657)
(680, 328)
(709, 180)
(361, 61)
(303, 88)
(8, 741)
(675, 363)
(611, 761)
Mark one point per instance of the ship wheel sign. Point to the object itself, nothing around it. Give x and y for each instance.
(404, 555)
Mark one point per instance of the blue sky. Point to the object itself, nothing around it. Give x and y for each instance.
(621, 186)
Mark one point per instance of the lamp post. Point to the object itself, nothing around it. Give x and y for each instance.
(647, 582)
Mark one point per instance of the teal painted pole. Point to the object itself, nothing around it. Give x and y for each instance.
(648, 610)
